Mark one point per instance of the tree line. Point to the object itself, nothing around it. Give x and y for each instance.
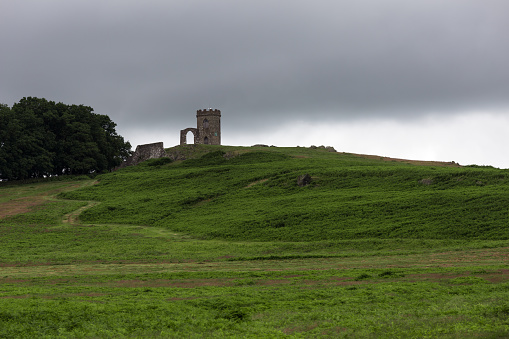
(40, 138)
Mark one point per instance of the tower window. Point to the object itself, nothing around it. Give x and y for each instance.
(205, 123)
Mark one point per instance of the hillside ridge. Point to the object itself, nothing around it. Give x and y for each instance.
(253, 194)
(183, 152)
(409, 161)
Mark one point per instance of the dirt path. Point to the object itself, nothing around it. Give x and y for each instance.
(72, 218)
(25, 204)
(20, 205)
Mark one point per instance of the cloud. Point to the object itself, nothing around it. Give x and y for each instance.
(150, 65)
(472, 138)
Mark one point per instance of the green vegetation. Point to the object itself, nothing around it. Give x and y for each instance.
(254, 196)
(40, 138)
(226, 244)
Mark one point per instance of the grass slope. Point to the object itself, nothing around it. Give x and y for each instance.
(252, 195)
(225, 244)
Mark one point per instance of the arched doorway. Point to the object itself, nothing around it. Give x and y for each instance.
(189, 137)
(184, 134)
(206, 140)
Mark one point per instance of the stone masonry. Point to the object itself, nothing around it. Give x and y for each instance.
(145, 152)
(208, 128)
(207, 132)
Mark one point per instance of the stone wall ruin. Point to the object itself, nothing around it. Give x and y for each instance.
(207, 132)
(144, 153)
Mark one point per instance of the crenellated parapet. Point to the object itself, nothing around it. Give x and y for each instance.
(207, 112)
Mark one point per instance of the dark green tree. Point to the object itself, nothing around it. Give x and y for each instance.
(6, 131)
(36, 142)
(112, 147)
(23, 141)
(41, 138)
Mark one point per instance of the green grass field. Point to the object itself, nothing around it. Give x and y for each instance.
(226, 244)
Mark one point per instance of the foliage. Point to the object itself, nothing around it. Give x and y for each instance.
(157, 162)
(40, 138)
(254, 196)
(227, 245)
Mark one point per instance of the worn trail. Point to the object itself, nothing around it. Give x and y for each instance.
(14, 205)
(73, 217)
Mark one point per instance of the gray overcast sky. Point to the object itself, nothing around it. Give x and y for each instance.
(422, 79)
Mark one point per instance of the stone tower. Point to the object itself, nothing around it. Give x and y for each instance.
(208, 124)
(208, 128)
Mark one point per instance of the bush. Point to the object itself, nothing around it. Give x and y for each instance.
(157, 162)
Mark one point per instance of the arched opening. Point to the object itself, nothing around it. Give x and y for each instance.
(184, 136)
(205, 123)
(189, 138)
(206, 140)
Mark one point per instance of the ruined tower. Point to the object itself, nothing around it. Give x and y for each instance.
(208, 128)
(208, 123)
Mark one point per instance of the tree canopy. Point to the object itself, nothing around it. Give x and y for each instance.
(41, 138)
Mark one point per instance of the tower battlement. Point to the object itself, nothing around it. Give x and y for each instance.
(208, 111)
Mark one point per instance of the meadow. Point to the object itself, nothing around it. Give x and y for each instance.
(226, 244)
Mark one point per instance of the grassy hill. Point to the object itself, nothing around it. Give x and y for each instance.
(252, 195)
(227, 244)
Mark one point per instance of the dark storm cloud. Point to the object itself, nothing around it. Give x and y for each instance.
(155, 62)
